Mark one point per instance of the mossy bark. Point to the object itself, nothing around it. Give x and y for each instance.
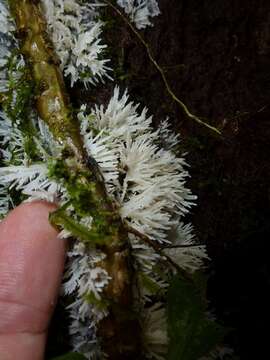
(53, 106)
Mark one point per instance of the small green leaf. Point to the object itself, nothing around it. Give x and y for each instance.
(192, 335)
(62, 219)
(70, 356)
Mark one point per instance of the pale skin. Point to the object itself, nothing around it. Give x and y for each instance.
(31, 267)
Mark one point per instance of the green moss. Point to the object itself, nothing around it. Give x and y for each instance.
(18, 98)
(86, 202)
(80, 186)
(58, 170)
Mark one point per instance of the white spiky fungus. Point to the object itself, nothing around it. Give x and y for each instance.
(140, 11)
(185, 251)
(169, 139)
(152, 185)
(75, 32)
(6, 23)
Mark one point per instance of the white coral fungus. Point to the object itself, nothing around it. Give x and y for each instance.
(75, 32)
(184, 249)
(140, 11)
(147, 182)
(6, 23)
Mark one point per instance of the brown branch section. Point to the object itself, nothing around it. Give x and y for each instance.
(52, 101)
(120, 331)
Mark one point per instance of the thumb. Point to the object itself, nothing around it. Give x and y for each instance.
(31, 265)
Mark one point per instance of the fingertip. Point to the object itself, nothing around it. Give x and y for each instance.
(32, 214)
(31, 261)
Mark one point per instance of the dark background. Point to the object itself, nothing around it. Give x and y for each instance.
(215, 54)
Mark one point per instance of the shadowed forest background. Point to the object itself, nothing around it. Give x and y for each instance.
(215, 55)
